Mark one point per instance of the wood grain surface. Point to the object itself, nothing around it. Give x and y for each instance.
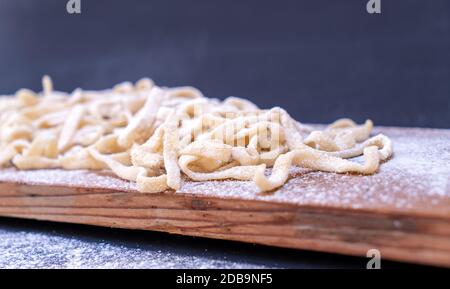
(403, 210)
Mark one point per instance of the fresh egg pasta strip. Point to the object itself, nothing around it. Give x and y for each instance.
(27, 97)
(312, 159)
(151, 184)
(244, 173)
(8, 152)
(125, 172)
(141, 125)
(70, 127)
(43, 145)
(170, 152)
(381, 141)
(34, 162)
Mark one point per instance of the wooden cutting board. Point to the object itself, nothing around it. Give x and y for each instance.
(403, 211)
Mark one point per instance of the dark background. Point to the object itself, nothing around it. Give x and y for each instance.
(320, 59)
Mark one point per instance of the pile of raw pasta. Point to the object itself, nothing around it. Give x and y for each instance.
(152, 135)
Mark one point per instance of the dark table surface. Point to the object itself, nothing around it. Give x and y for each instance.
(37, 244)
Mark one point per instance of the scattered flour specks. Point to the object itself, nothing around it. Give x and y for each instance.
(43, 250)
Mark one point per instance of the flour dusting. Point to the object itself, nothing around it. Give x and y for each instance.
(416, 178)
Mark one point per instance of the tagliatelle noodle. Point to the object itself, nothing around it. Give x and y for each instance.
(153, 135)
